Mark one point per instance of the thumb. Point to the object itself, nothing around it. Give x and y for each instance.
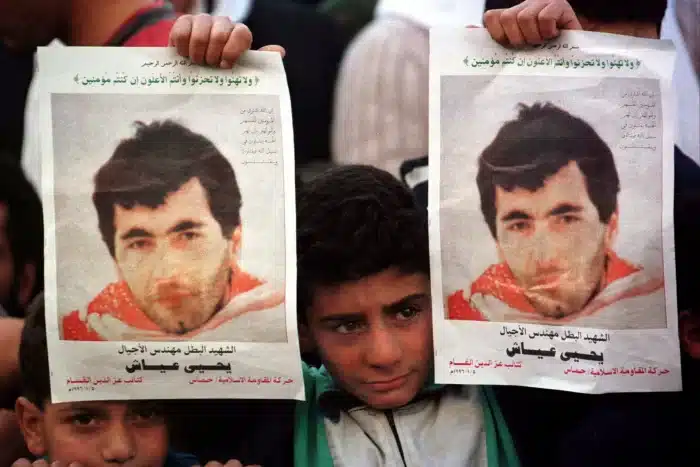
(274, 48)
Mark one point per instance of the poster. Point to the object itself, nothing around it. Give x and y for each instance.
(551, 213)
(168, 195)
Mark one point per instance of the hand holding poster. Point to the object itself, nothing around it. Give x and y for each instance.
(551, 213)
(169, 201)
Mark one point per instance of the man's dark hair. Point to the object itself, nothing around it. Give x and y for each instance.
(536, 145)
(34, 355)
(24, 228)
(353, 222)
(154, 163)
(605, 11)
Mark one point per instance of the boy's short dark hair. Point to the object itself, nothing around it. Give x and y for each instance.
(606, 11)
(34, 355)
(353, 222)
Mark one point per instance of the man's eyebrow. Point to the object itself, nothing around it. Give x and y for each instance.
(400, 304)
(343, 317)
(136, 232)
(564, 208)
(515, 215)
(184, 226)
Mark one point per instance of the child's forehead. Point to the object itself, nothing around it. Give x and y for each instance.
(380, 291)
(112, 407)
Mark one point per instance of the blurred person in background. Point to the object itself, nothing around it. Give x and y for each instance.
(21, 241)
(21, 279)
(27, 24)
(682, 26)
(381, 99)
(352, 15)
(17, 69)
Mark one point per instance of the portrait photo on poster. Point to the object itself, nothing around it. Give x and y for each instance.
(551, 201)
(169, 216)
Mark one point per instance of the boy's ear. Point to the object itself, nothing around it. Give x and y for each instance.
(31, 422)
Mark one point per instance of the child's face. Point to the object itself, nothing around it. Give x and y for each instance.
(375, 336)
(96, 434)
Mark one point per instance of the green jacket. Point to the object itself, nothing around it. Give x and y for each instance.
(311, 448)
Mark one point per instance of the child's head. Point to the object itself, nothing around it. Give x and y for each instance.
(91, 434)
(364, 292)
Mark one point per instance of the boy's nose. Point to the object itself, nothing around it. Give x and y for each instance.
(383, 351)
(118, 445)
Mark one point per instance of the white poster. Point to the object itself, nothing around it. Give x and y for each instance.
(551, 209)
(168, 195)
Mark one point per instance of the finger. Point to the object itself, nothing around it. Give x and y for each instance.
(24, 463)
(238, 42)
(509, 22)
(233, 463)
(180, 35)
(555, 17)
(528, 23)
(274, 48)
(492, 21)
(220, 33)
(199, 39)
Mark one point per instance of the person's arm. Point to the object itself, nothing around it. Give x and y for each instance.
(381, 99)
(10, 333)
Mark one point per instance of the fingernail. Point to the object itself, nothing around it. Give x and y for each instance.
(225, 64)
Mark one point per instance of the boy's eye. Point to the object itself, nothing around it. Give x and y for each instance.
(83, 419)
(348, 327)
(408, 312)
(147, 414)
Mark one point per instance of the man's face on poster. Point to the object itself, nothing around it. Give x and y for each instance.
(175, 258)
(554, 241)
